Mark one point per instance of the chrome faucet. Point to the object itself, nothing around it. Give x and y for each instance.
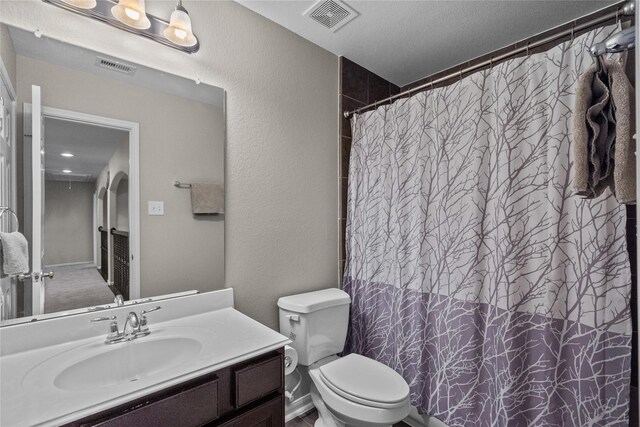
(131, 326)
(135, 326)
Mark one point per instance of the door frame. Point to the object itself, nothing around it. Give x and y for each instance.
(12, 102)
(134, 180)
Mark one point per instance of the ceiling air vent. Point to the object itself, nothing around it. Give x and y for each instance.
(75, 177)
(332, 14)
(110, 64)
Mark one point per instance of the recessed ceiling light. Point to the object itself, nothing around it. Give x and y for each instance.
(67, 154)
(66, 171)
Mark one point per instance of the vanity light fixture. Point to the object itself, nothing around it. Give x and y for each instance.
(130, 16)
(67, 154)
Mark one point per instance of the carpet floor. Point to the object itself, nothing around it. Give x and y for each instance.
(75, 287)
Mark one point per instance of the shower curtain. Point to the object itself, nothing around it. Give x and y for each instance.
(500, 297)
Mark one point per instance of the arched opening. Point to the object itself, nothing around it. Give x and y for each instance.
(119, 233)
(102, 238)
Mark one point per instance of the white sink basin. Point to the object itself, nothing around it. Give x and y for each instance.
(97, 365)
(127, 362)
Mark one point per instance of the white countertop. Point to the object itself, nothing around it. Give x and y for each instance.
(28, 396)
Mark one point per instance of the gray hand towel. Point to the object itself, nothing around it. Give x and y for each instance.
(14, 254)
(623, 101)
(207, 199)
(593, 135)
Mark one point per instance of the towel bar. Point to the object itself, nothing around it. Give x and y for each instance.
(179, 184)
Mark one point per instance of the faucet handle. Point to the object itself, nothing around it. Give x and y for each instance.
(113, 335)
(143, 312)
(144, 327)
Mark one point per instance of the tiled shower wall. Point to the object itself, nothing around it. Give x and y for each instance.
(358, 87)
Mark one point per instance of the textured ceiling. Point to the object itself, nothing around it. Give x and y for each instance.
(404, 41)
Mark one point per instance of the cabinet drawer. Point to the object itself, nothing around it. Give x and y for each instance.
(258, 379)
(191, 407)
(269, 414)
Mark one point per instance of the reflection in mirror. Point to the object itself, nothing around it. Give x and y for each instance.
(98, 195)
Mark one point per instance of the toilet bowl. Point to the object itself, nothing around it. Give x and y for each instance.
(357, 391)
(347, 391)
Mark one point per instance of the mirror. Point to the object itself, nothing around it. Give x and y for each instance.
(121, 146)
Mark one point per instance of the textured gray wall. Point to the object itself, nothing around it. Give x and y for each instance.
(68, 222)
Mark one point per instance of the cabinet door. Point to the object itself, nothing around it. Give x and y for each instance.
(269, 414)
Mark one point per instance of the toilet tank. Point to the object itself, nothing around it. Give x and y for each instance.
(316, 322)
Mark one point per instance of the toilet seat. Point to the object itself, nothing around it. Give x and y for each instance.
(365, 381)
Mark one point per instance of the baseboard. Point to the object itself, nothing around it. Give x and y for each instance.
(298, 407)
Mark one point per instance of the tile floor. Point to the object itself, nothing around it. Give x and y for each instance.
(308, 419)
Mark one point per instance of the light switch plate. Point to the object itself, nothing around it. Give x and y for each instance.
(156, 207)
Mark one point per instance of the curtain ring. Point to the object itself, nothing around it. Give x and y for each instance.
(528, 49)
(617, 15)
(573, 31)
(491, 62)
(460, 72)
(431, 83)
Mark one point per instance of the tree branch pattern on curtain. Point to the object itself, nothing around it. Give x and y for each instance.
(500, 297)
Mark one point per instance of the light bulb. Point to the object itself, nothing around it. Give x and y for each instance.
(181, 34)
(135, 15)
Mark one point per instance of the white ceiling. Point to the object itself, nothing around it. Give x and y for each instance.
(404, 41)
(92, 147)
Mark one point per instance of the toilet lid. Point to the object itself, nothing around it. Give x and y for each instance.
(364, 380)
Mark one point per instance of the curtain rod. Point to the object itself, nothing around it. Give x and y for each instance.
(622, 9)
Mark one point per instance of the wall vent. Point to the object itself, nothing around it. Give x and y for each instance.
(110, 64)
(331, 14)
(74, 177)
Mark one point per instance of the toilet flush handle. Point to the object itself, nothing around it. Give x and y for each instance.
(293, 317)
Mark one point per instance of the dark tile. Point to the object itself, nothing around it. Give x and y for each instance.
(343, 229)
(343, 197)
(340, 272)
(345, 152)
(378, 88)
(348, 104)
(354, 80)
(393, 89)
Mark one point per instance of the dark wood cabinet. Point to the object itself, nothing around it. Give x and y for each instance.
(269, 414)
(247, 394)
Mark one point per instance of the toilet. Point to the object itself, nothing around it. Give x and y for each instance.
(347, 391)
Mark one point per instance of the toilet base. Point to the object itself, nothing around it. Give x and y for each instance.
(326, 418)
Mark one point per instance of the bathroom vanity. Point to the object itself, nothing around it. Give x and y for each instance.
(246, 394)
(204, 363)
